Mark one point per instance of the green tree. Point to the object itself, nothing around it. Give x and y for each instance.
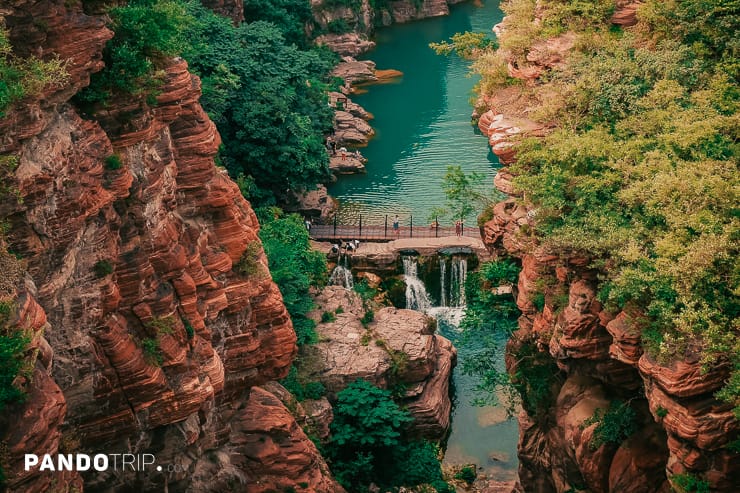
(268, 99)
(147, 32)
(368, 442)
(295, 267)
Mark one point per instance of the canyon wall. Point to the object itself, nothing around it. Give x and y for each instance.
(146, 337)
(346, 24)
(592, 358)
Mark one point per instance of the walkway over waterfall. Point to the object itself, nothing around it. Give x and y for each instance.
(382, 230)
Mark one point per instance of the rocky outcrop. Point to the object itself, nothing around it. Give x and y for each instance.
(361, 18)
(34, 425)
(625, 13)
(347, 44)
(233, 9)
(682, 427)
(133, 234)
(502, 131)
(398, 348)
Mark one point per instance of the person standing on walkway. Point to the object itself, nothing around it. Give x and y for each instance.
(396, 225)
(462, 226)
(457, 228)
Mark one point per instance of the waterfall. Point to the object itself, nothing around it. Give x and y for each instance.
(342, 273)
(442, 284)
(452, 286)
(417, 297)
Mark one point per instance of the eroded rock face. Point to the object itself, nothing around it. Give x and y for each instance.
(682, 427)
(156, 338)
(399, 346)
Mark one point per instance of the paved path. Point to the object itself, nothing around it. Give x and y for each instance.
(383, 255)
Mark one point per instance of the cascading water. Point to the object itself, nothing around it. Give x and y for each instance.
(475, 429)
(417, 297)
(452, 290)
(342, 273)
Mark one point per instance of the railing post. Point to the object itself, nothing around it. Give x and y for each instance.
(436, 227)
(411, 219)
(335, 226)
(385, 230)
(360, 225)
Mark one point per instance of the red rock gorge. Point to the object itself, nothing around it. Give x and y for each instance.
(118, 259)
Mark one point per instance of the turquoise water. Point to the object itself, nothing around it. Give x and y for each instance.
(423, 125)
(483, 435)
(422, 121)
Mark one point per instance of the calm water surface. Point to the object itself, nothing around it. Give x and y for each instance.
(422, 121)
(423, 125)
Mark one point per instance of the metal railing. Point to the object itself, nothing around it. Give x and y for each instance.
(383, 229)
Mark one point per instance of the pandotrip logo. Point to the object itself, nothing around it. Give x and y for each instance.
(96, 462)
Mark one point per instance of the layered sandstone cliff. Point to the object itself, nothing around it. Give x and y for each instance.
(597, 357)
(155, 342)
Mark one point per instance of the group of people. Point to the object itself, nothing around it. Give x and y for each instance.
(331, 146)
(349, 246)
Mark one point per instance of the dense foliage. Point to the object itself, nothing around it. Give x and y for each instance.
(263, 85)
(294, 266)
(613, 425)
(22, 77)
(368, 443)
(147, 32)
(641, 174)
(268, 99)
(12, 346)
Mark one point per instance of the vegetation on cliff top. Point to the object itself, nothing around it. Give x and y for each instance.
(369, 445)
(641, 173)
(22, 77)
(263, 85)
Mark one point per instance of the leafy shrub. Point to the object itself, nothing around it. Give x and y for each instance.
(368, 317)
(152, 352)
(146, 33)
(338, 26)
(249, 264)
(368, 445)
(162, 325)
(688, 483)
(113, 162)
(661, 412)
(328, 317)
(614, 426)
(538, 300)
(302, 390)
(500, 272)
(13, 344)
(20, 78)
(295, 267)
(189, 330)
(467, 474)
(103, 268)
(339, 310)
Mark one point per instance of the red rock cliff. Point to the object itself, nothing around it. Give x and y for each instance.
(156, 339)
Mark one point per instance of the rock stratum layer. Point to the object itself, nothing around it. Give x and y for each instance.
(152, 343)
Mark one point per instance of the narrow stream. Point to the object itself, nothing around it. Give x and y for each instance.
(422, 123)
(482, 435)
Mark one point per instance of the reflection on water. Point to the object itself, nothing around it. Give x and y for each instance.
(484, 435)
(422, 123)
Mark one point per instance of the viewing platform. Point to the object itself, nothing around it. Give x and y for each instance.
(384, 255)
(386, 233)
